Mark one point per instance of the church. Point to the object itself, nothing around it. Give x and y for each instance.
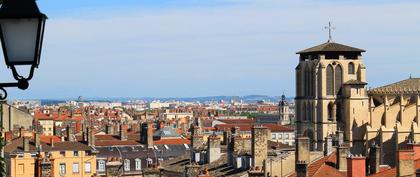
(332, 96)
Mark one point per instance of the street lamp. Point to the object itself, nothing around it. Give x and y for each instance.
(21, 33)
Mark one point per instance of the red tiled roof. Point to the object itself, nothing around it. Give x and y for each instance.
(46, 139)
(323, 167)
(237, 121)
(247, 127)
(116, 143)
(172, 141)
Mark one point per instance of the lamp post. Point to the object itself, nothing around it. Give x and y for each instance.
(21, 32)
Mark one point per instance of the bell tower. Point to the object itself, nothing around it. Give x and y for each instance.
(330, 79)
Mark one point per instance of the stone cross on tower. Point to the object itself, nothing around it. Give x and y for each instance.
(330, 28)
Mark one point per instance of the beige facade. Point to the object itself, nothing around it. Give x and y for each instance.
(331, 95)
(329, 86)
(82, 165)
(13, 117)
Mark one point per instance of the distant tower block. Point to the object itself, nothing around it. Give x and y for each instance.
(259, 145)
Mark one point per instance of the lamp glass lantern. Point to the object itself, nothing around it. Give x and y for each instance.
(21, 33)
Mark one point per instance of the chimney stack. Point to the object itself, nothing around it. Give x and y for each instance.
(301, 169)
(302, 149)
(342, 152)
(109, 129)
(123, 132)
(70, 135)
(37, 140)
(150, 131)
(374, 158)
(328, 146)
(213, 148)
(146, 134)
(25, 143)
(91, 136)
(339, 137)
(356, 166)
(259, 145)
(405, 163)
(51, 142)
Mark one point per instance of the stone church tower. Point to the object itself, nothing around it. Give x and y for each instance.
(331, 93)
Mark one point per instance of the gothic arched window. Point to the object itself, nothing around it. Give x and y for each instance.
(330, 80)
(351, 68)
(338, 78)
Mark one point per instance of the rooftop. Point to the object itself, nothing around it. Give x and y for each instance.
(331, 47)
(411, 84)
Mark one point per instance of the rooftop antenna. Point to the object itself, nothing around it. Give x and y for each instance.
(330, 29)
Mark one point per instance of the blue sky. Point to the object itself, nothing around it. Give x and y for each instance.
(187, 48)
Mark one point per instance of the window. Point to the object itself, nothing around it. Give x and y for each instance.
(338, 78)
(330, 112)
(20, 169)
(75, 168)
(87, 167)
(101, 165)
(273, 136)
(150, 161)
(280, 136)
(62, 168)
(63, 153)
(76, 153)
(138, 164)
(286, 136)
(330, 80)
(351, 68)
(126, 165)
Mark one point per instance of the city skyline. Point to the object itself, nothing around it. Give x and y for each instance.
(204, 48)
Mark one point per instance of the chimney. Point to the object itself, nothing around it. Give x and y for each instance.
(302, 149)
(339, 137)
(328, 146)
(25, 143)
(259, 145)
(37, 140)
(416, 149)
(301, 169)
(356, 166)
(91, 136)
(213, 148)
(70, 135)
(123, 132)
(109, 129)
(204, 173)
(405, 163)
(341, 156)
(235, 131)
(51, 142)
(226, 137)
(374, 158)
(150, 130)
